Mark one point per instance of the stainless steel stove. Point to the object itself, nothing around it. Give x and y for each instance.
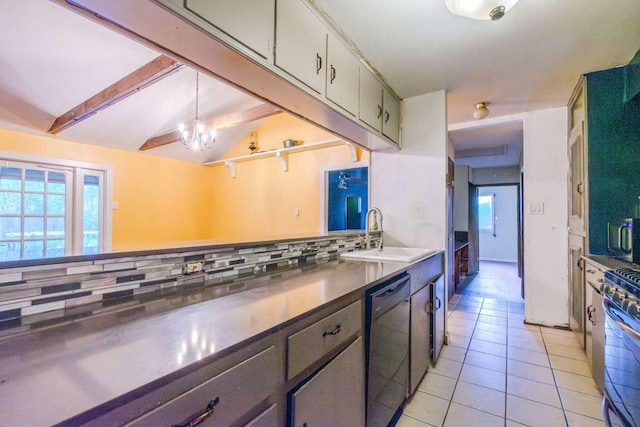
(621, 304)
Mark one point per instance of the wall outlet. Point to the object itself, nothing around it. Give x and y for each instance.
(193, 267)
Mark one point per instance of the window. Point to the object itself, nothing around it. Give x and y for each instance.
(51, 210)
(485, 214)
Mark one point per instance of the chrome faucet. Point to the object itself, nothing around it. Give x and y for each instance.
(377, 214)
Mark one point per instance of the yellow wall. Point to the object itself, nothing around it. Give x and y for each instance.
(161, 201)
(260, 201)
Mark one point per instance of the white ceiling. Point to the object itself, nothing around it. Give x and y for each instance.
(52, 59)
(505, 134)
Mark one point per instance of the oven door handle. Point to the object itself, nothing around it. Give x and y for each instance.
(606, 408)
(607, 306)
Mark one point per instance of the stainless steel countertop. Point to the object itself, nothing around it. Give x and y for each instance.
(51, 374)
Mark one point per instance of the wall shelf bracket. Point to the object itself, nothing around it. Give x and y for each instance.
(232, 167)
(284, 159)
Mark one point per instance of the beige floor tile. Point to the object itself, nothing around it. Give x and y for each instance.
(533, 390)
(437, 385)
(492, 319)
(580, 403)
(480, 398)
(465, 323)
(427, 408)
(524, 326)
(515, 317)
(446, 367)
(498, 338)
(491, 327)
(463, 315)
(535, 344)
(533, 414)
(460, 415)
(406, 421)
(577, 382)
(531, 372)
(471, 303)
(523, 333)
(566, 351)
(468, 308)
(570, 365)
(459, 340)
(488, 347)
(577, 420)
(483, 377)
(495, 306)
(495, 313)
(485, 360)
(510, 423)
(562, 340)
(471, 298)
(452, 352)
(528, 356)
(462, 331)
(557, 332)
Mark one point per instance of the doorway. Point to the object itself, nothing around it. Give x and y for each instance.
(499, 248)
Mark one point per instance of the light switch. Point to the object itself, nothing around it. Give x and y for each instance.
(296, 212)
(536, 208)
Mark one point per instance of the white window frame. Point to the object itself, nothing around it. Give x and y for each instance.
(78, 170)
(491, 230)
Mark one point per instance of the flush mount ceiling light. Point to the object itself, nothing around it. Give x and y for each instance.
(196, 137)
(481, 9)
(481, 111)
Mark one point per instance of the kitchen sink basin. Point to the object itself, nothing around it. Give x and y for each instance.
(390, 253)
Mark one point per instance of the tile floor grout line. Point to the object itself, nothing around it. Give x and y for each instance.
(555, 382)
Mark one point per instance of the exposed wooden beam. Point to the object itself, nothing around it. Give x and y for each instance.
(230, 120)
(148, 74)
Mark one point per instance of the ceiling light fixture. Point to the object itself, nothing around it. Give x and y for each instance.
(197, 137)
(481, 9)
(481, 112)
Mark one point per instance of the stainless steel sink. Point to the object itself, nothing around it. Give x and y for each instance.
(390, 253)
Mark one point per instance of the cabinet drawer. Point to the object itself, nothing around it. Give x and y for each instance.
(268, 418)
(238, 389)
(594, 276)
(313, 342)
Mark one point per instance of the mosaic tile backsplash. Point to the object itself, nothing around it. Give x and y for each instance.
(26, 291)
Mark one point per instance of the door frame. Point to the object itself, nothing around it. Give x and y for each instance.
(324, 188)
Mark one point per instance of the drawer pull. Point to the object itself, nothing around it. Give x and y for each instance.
(590, 310)
(336, 331)
(200, 418)
(591, 271)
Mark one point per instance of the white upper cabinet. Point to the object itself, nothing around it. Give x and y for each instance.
(390, 116)
(378, 108)
(370, 109)
(342, 75)
(250, 22)
(301, 43)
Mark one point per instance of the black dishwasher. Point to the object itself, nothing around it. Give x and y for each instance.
(387, 345)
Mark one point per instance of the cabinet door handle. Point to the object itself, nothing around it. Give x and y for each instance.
(200, 418)
(336, 331)
(379, 111)
(333, 74)
(590, 310)
(386, 116)
(318, 63)
(438, 303)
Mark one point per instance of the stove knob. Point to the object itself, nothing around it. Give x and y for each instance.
(633, 309)
(617, 296)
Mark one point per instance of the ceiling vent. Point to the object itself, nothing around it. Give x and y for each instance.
(496, 150)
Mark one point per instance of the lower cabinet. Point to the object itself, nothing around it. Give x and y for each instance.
(334, 396)
(438, 315)
(595, 318)
(420, 336)
(223, 399)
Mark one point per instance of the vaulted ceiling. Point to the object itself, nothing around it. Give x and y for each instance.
(52, 60)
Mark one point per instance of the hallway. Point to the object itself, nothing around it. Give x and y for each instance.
(499, 371)
(498, 280)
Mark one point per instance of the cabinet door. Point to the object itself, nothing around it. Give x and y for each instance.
(588, 324)
(342, 75)
(576, 180)
(335, 395)
(250, 22)
(301, 43)
(390, 116)
(597, 365)
(420, 336)
(437, 316)
(370, 108)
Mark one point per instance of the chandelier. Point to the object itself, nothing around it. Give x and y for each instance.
(481, 9)
(196, 137)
